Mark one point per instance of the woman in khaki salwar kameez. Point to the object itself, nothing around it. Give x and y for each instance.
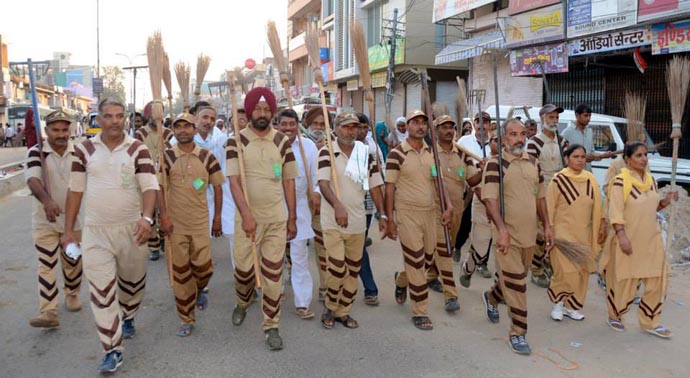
(575, 210)
(636, 254)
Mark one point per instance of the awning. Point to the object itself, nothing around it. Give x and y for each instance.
(468, 48)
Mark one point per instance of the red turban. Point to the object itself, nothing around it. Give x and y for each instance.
(259, 94)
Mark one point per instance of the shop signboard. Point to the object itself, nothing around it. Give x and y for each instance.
(654, 9)
(520, 6)
(529, 61)
(615, 40)
(671, 37)
(535, 27)
(448, 8)
(595, 16)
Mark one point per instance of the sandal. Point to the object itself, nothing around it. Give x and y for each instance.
(423, 323)
(348, 322)
(327, 319)
(371, 300)
(616, 325)
(400, 292)
(304, 313)
(202, 301)
(660, 331)
(184, 330)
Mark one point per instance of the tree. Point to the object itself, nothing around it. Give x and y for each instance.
(113, 83)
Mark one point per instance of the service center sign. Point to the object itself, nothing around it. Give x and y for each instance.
(610, 41)
(595, 16)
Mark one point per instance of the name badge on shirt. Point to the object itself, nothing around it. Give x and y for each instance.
(198, 183)
(434, 171)
(461, 172)
(277, 171)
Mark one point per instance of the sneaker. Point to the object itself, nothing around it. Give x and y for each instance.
(540, 280)
(368, 242)
(128, 330)
(557, 312)
(238, 315)
(72, 303)
(601, 281)
(205, 290)
(519, 345)
(465, 280)
(452, 305)
(154, 255)
(456, 255)
(435, 285)
(273, 339)
(202, 301)
(573, 314)
(483, 271)
(491, 310)
(111, 362)
(47, 319)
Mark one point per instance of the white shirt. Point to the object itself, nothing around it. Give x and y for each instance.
(304, 230)
(574, 136)
(471, 144)
(9, 132)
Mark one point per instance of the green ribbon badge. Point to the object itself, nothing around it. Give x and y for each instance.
(461, 172)
(277, 170)
(434, 172)
(198, 183)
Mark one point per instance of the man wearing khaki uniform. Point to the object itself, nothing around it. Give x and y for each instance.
(48, 223)
(115, 174)
(342, 219)
(188, 171)
(263, 220)
(411, 191)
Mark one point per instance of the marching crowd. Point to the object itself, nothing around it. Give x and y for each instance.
(286, 181)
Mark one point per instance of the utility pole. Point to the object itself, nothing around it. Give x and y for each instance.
(134, 84)
(390, 77)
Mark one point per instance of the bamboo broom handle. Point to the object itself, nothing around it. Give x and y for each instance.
(329, 141)
(370, 103)
(168, 245)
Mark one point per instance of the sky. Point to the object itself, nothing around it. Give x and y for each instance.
(229, 31)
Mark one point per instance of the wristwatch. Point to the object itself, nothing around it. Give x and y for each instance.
(383, 216)
(148, 219)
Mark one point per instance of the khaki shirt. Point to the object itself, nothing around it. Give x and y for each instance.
(112, 181)
(456, 168)
(351, 193)
(58, 170)
(547, 152)
(187, 177)
(523, 184)
(411, 172)
(268, 160)
(150, 138)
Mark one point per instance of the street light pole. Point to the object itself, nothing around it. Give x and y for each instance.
(134, 77)
(98, 38)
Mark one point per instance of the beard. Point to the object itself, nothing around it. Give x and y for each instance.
(552, 127)
(516, 149)
(261, 123)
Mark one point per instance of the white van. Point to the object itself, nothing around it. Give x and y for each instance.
(608, 136)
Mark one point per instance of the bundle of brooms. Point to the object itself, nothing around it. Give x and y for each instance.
(577, 253)
(202, 63)
(182, 74)
(167, 81)
(359, 46)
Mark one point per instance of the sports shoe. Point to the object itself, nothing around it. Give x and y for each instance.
(456, 254)
(519, 345)
(368, 242)
(238, 315)
(540, 280)
(154, 255)
(128, 330)
(47, 319)
(202, 301)
(111, 362)
(465, 280)
(557, 312)
(273, 339)
(435, 285)
(452, 305)
(483, 271)
(573, 314)
(72, 303)
(491, 310)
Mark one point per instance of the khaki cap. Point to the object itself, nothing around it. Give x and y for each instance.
(346, 118)
(184, 117)
(443, 119)
(56, 116)
(415, 114)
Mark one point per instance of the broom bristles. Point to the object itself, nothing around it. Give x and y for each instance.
(165, 69)
(182, 74)
(578, 254)
(461, 100)
(677, 82)
(312, 41)
(635, 106)
(276, 49)
(202, 63)
(154, 55)
(440, 108)
(359, 46)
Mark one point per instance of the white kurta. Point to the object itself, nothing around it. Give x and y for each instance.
(304, 230)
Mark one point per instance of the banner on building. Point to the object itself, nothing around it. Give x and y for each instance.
(653, 9)
(352, 85)
(535, 27)
(671, 37)
(596, 16)
(520, 6)
(380, 55)
(448, 8)
(529, 61)
(378, 79)
(610, 41)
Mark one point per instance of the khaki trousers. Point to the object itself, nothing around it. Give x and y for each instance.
(47, 244)
(320, 254)
(511, 287)
(443, 259)
(155, 240)
(115, 267)
(270, 245)
(192, 268)
(569, 288)
(539, 257)
(417, 233)
(344, 262)
(480, 237)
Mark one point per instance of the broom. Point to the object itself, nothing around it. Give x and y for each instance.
(634, 108)
(182, 73)
(167, 81)
(576, 253)
(202, 63)
(677, 82)
(359, 46)
(439, 108)
(155, 56)
(276, 49)
(240, 158)
(461, 100)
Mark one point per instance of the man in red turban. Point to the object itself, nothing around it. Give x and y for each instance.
(256, 96)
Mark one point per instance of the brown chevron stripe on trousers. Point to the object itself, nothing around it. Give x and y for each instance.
(417, 233)
(567, 287)
(155, 240)
(115, 268)
(48, 247)
(192, 269)
(443, 259)
(539, 256)
(344, 263)
(270, 244)
(511, 287)
(320, 254)
(480, 237)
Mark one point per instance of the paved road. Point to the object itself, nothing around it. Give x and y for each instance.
(385, 345)
(11, 154)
